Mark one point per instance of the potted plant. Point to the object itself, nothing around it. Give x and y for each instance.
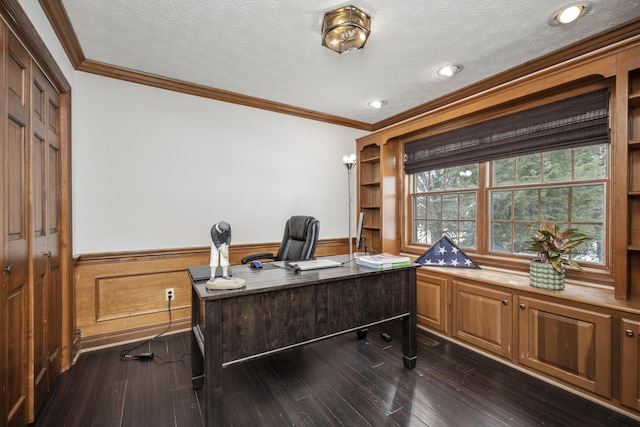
(553, 247)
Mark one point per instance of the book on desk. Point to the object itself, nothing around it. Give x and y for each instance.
(383, 261)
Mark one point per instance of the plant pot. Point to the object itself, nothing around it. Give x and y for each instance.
(542, 275)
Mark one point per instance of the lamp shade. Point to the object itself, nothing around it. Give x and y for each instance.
(345, 29)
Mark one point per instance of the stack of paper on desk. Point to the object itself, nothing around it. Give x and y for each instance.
(383, 261)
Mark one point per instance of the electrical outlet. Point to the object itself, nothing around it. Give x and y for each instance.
(169, 295)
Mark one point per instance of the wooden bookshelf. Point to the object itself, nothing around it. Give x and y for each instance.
(370, 196)
(633, 196)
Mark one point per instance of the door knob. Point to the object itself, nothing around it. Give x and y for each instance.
(629, 332)
(505, 302)
(9, 269)
(47, 254)
(522, 306)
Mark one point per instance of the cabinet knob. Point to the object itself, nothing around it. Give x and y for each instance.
(47, 254)
(522, 306)
(9, 269)
(505, 302)
(628, 332)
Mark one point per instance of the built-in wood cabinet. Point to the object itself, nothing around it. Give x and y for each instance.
(633, 255)
(553, 334)
(568, 343)
(630, 363)
(378, 187)
(370, 193)
(483, 317)
(576, 337)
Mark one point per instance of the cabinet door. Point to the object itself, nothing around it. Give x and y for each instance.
(483, 317)
(567, 343)
(629, 361)
(432, 301)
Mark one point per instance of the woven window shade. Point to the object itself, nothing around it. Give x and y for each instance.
(572, 122)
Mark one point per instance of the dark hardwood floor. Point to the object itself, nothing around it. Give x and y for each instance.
(336, 382)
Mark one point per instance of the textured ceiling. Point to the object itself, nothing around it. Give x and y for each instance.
(271, 49)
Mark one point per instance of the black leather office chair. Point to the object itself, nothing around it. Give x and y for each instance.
(298, 243)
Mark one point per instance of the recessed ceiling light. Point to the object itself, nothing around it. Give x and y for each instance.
(378, 103)
(569, 14)
(449, 70)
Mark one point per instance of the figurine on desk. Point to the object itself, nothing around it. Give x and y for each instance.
(220, 241)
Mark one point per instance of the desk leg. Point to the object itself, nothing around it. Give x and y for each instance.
(409, 342)
(212, 394)
(197, 358)
(409, 326)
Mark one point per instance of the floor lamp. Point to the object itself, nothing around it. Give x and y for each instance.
(350, 163)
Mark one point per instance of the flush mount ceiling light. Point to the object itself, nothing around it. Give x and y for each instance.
(449, 70)
(345, 29)
(569, 14)
(378, 103)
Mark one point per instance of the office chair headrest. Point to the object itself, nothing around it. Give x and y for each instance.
(298, 227)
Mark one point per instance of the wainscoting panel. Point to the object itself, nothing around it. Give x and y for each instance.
(138, 294)
(121, 296)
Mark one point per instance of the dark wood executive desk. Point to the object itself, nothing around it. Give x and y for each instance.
(280, 309)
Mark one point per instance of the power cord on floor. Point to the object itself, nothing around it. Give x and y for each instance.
(165, 362)
(126, 354)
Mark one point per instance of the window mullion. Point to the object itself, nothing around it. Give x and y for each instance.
(482, 207)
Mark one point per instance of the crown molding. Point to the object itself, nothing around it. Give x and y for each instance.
(575, 50)
(58, 18)
(57, 15)
(107, 70)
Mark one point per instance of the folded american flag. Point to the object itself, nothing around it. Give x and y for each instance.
(444, 253)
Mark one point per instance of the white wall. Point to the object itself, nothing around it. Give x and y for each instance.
(155, 169)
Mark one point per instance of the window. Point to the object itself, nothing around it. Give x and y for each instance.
(544, 163)
(567, 186)
(444, 202)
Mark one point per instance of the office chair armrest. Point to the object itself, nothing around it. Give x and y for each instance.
(265, 255)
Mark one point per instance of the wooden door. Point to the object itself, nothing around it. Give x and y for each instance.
(45, 207)
(15, 290)
(53, 230)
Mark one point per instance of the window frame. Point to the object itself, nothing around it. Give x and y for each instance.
(600, 274)
(458, 191)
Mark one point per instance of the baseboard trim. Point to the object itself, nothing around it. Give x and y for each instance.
(97, 342)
